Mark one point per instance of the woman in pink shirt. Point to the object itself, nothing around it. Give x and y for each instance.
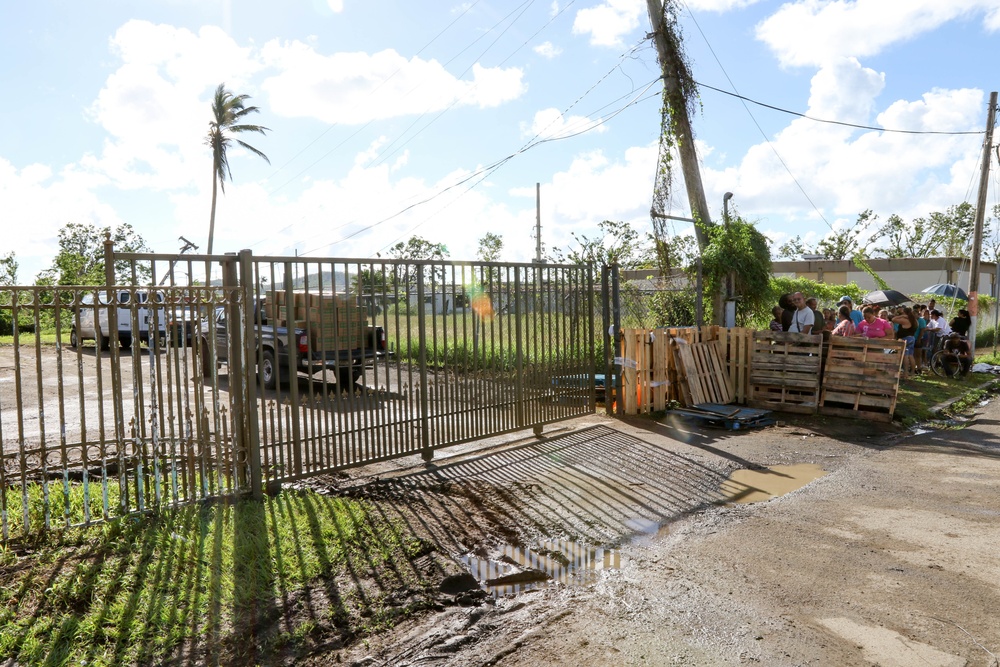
(873, 327)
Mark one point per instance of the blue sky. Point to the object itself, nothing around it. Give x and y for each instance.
(381, 112)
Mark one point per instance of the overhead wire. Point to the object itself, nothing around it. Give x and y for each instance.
(496, 164)
(485, 172)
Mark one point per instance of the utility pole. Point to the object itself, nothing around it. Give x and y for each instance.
(538, 223)
(977, 239)
(670, 63)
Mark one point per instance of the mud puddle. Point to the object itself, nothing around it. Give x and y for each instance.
(514, 570)
(752, 486)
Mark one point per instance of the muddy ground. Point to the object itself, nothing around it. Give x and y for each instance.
(890, 558)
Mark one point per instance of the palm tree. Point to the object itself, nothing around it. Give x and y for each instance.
(228, 112)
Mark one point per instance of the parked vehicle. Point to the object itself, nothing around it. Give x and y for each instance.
(271, 351)
(183, 323)
(84, 327)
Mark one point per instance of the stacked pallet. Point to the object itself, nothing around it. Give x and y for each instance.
(704, 374)
(861, 379)
(785, 371)
(334, 321)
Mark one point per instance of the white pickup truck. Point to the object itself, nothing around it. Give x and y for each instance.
(102, 333)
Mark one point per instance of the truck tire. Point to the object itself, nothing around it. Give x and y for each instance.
(267, 371)
(102, 341)
(348, 376)
(74, 342)
(125, 341)
(206, 360)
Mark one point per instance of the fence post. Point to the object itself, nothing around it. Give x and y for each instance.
(425, 436)
(251, 439)
(519, 354)
(230, 284)
(116, 378)
(616, 315)
(609, 369)
(291, 370)
(591, 366)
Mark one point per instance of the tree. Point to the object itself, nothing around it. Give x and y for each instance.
(490, 247)
(80, 260)
(792, 249)
(228, 115)
(8, 269)
(618, 243)
(947, 234)
(419, 249)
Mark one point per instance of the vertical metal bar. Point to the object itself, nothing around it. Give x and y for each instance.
(590, 351)
(81, 396)
(237, 326)
(116, 380)
(250, 425)
(291, 370)
(64, 456)
(426, 452)
(606, 336)
(42, 441)
(518, 353)
(616, 317)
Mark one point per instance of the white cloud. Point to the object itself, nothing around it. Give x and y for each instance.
(358, 87)
(336, 6)
(814, 32)
(550, 123)
(847, 170)
(547, 50)
(37, 204)
(154, 107)
(609, 22)
(718, 5)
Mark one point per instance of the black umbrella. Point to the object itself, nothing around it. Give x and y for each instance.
(884, 297)
(945, 289)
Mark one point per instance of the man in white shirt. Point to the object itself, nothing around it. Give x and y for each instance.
(803, 318)
(938, 324)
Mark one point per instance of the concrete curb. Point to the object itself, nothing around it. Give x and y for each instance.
(937, 409)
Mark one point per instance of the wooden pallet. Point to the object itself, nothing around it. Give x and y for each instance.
(785, 371)
(704, 375)
(861, 379)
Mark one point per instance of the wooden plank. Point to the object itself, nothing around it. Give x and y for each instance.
(659, 385)
(628, 373)
(861, 379)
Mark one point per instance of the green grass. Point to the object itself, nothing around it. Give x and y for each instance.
(918, 396)
(48, 338)
(218, 583)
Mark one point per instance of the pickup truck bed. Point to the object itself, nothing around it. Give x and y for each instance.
(271, 352)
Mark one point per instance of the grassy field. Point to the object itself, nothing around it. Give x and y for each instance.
(207, 584)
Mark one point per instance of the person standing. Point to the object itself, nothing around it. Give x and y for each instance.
(961, 323)
(906, 332)
(856, 316)
(845, 327)
(803, 318)
(776, 319)
(873, 327)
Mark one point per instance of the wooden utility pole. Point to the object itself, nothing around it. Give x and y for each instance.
(672, 65)
(977, 239)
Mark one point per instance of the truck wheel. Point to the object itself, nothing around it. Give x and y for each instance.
(206, 360)
(101, 340)
(268, 371)
(347, 377)
(74, 342)
(125, 341)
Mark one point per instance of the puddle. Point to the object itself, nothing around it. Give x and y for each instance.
(751, 486)
(646, 531)
(518, 569)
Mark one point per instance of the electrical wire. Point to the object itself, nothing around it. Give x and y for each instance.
(832, 122)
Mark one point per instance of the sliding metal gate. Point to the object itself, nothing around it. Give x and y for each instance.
(388, 359)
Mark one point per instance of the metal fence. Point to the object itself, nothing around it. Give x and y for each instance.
(225, 375)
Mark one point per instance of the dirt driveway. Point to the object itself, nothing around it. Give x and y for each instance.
(890, 558)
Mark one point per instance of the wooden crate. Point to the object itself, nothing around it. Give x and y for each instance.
(785, 371)
(861, 379)
(735, 346)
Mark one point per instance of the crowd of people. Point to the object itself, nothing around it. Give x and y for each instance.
(922, 327)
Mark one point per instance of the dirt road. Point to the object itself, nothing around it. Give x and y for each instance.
(890, 558)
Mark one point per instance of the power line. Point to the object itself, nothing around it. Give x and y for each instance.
(485, 172)
(832, 122)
